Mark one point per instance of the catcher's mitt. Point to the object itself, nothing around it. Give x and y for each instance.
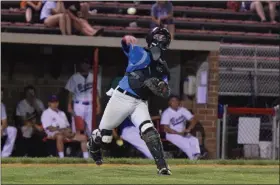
(158, 87)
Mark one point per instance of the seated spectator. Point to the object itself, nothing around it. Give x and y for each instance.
(130, 133)
(162, 15)
(52, 16)
(6, 130)
(234, 5)
(174, 120)
(57, 127)
(31, 8)
(258, 6)
(79, 12)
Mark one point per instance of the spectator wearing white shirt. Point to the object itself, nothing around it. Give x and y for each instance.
(56, 125)
(174, 120)
(53, 15)
(9, 131)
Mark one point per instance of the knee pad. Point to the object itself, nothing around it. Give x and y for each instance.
(152, 139)
(146, 126)
(151, 135)
(103, 136)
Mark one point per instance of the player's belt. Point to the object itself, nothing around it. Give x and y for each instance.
(83, 102)
(128, 93)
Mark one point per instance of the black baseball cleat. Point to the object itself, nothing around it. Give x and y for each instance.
(95, 151)
(164, 171)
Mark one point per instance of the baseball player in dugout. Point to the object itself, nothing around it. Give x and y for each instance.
(6, 130)
(80, 97)
(146, 74)
(56, 125)
(174, 120)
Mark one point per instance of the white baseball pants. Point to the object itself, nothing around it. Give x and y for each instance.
(188, 144)
(119, 107)
(131, 135)
(85, 111)
(11, 133)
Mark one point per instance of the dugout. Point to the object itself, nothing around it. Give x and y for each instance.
(59, 53)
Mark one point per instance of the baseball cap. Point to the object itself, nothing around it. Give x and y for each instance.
(53, 98)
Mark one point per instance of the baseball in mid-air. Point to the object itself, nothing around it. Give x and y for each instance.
(119, 142)
(131, 11)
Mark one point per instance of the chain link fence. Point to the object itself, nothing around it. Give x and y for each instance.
(247, 70)
(249, 133)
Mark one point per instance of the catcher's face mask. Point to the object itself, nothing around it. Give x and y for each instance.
(158, 39)
(158, 44)
(155, 52)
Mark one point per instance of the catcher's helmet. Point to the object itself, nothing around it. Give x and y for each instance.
(159, 37)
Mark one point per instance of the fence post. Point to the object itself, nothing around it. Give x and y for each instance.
(274, 135)
(278, 142)
(218, 139)
(224, 132)
(275, 132)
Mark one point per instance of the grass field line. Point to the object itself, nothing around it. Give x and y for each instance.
(20, 165)
(134, 161)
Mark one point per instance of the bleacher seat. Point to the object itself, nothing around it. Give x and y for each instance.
(193, 20)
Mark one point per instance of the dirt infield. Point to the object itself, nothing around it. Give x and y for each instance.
(20, 165)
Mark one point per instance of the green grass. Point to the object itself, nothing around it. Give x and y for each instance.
(53, 160)
(133, 174)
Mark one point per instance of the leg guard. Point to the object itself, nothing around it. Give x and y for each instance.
(95, 142)
(152, 138)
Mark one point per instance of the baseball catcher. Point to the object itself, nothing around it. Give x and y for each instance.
(146, 74)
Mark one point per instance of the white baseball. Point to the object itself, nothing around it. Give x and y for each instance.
(119, 142)
(131, 11)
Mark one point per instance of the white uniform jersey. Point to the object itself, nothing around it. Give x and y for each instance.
(46, 10)
(176, 120)
(10, 132)
(24, 107)
(81, 87)
(3, 112)
(54, 119)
